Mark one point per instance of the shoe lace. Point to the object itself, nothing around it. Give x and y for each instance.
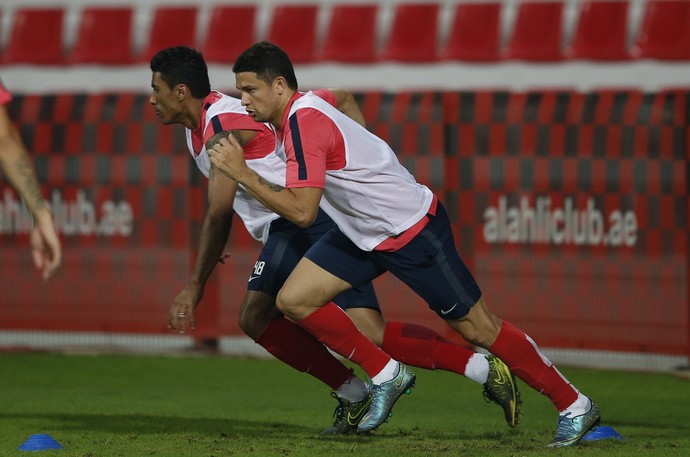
(339, 412)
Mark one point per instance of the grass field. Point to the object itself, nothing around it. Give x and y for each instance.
(202, 406)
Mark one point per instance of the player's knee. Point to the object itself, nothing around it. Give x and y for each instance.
(288, 304)
(255, 314)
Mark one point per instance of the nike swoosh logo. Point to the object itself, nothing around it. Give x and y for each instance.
(446, 311)
(354, 419)
(252, 278)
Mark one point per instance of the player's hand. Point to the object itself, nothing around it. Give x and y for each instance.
(227, 155)
(181, 314)
(46, 250)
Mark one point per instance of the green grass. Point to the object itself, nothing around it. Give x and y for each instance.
(122, 405)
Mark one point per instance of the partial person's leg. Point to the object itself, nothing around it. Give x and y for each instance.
(423, 347)
(414, 344)
(288, 342)
(260, 319)
(451, 291)
(302, 299)
(306, 299)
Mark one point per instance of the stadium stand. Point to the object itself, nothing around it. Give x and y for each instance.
(293, 27)
(601, 32)
(346, 43)
(231, 29)
(537, 32)
(36, 37)
(171, 26)
(104, 37)
(351, 32)
(664, 31)
(475, 33)
(414, 33)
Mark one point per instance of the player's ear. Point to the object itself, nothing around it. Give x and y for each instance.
(180, 92)
(279, 85)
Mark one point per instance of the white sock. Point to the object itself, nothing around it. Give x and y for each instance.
(477, 368)
(353, 390)
(389, 372)
(581, 406)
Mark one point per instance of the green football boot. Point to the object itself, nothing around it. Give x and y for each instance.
(384, 397)
(571, 429)
(347, 415)
(501, 388)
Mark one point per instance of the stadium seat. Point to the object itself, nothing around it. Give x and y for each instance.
(104, 37)
(413, 34)
(293, 28)
(537, 32)
(665, 31)
(231, 30)
(36, 37)
(601, 32)
(351, 34)
(171, 26)
(475, 32)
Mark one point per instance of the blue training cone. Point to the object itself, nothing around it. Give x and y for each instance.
(40, 442)
(602, 433)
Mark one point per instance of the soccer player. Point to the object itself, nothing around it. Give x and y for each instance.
(182, 95)
(386, 221)
(16, 164)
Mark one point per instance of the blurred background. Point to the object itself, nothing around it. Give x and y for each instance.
(556, 132)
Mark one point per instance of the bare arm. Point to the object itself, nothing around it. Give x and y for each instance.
(299, 205)
(16, 164)
(347, 104)
(212, 241)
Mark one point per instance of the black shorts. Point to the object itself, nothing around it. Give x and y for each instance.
(286, 245)
(429, 264)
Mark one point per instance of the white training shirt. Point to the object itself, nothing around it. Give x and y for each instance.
(222, 113)
(367, 192)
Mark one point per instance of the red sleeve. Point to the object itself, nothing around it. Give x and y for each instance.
(261, 145)
(231, 121)
(313, 144)
(5, 95)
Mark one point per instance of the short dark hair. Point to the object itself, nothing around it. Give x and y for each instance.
(268, 61)
(183, 65)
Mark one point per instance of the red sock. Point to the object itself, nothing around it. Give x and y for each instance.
(289, 343)
(333, 327)
(422, 347)
(524, 358)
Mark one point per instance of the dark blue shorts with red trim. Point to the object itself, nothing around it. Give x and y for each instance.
(429, 264)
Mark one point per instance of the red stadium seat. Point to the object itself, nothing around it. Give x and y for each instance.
(293, 28)
(601, 32)
(665, 31)
(351, 34)
(36, 37)
(537, 32)
(475, 32)
(231, 30)
(104, 36)
(414, 33)
(171, 26)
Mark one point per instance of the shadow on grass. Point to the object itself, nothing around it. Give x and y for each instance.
(150, 424)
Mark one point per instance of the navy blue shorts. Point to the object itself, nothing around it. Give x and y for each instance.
(284, 248)
(429, 264)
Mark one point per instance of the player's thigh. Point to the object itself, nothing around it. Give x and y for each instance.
(279, 256)
(308, 288)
